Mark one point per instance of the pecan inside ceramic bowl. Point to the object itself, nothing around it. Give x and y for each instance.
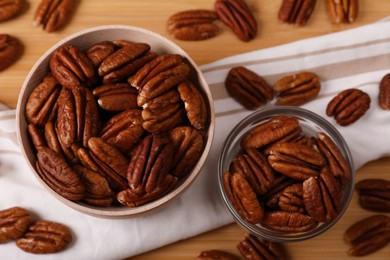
(115, 121)
(285, 174)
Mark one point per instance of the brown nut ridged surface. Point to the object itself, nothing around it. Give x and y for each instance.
(10, 8)
(248, 88)
(374, 194)
(270, 131)
(216, 255)
(98, 52)
(297, 89)
(194, 104)
(193, 25)
(296, 11)
(42, 102)
(384, 92)
(342, 11)
(53, 15)
(45, 237)
(243, 197)
(71, 67)
(368, 235)
(10, 50)
(188, 144)
(290, 222)
(13, 223)
(252, 247)
(59, 175)
(116, 97)
(295, 160)
(237, 15)
(348, 106)
(291, 199)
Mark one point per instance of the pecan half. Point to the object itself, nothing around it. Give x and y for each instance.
(297, 89)
(252, 247)
(243, 197)
(374, 194)
(71, 67)
(42, 102)
(193, 25)
(296, 11)
(59, 175)
(342, 11)
(123, 130)
(10, 49)
(53, 15)
(237, 15)
(149, 164)
(295, 160)
(270, 131)
(116, 97)
(384, 92)
(348, 106)
(187, 144)
(216, 255)
(13, 223)
(248, 88)
(194, 104)
(291, 199)
(10, 8)
(44, 237)
(368, 235)
(289, 222)
(100, 51)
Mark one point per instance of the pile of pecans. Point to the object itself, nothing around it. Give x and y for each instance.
(116, 123)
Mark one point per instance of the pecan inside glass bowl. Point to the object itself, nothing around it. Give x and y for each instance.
(115, 120)
(285, 174)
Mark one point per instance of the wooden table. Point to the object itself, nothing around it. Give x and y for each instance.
(152, 14)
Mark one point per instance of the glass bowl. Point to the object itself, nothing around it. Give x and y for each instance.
(311, 123)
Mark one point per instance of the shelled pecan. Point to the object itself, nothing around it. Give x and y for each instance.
(216, 255)
(291, 199)
(252, 247)
(237, 15)
(384, 92)
(116, 97)
(289, 222)
(342, 11)
(10, 50)
(193, 25)
(297, 89)
(348, 106)
(374, 194)
(368, 235)
(13, 223)
(248, 88)
(53, 15)
(11, 8)
(296, 11)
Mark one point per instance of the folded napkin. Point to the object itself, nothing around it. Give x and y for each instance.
(356, 58)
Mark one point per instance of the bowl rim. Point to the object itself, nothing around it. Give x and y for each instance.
(121, 211)
(257, 117)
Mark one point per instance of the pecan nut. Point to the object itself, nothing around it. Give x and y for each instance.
(53, 15)
(10, 8)
(243, 197)
(116, 97)
(59, 175)
(291, 199)
(237, 15)
(248, 88)
(289, 222)
(71, 67)
(295, 160)
(296, 11)
(193, 25)
(100, 51)
(348, 106)
(10, 50)
(384, 92)
(374, 194)
(194, 104)
(13, 223)
(42, 102)
(252, 247)
(342, 11)
(297, 89)
(187, 144)
(44, 237)
(368, 235)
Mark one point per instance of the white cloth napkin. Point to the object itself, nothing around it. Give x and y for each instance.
(356, 58)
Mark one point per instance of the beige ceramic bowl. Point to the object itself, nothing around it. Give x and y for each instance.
(83, 40)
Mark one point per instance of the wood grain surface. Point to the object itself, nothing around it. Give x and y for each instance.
(152, 15)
